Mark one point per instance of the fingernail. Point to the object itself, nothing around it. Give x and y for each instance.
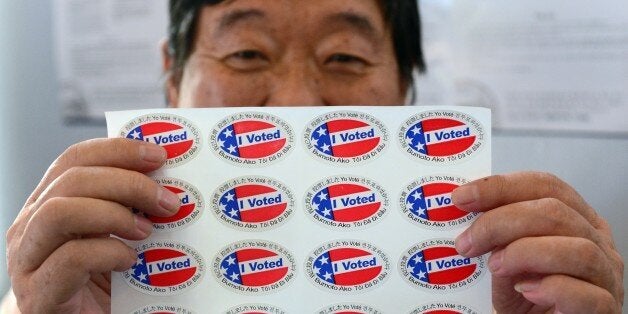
(144, 225)
(465, 195)
(495, 262)
(463, 243)
(152, 153)
(168, 200)
(527, 286)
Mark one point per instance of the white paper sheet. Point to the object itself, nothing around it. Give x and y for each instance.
(108, 55)
(539, 65)
(309, 210)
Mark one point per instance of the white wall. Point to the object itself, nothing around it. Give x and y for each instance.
(597, 166)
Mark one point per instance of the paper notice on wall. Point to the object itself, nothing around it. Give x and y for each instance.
(309, 210)
(108, 55)
(540, 65)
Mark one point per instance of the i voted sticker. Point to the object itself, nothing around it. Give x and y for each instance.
(255, 308)
(165, 268)
(345, 137)
(346, 202)
(347, 266)
(252, 139)
(427, 203)
(190, 209)
(177, 135)
(442, 137)
(253, 203)
(254, 267)
(444, 307)
(436, 266)
(163, 309)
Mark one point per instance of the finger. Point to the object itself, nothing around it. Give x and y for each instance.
(544, 217)
(574, 257)
(568, 295)
(61, 220)
(69, 268)
(129, 188)
(494, 191)
(114, 152)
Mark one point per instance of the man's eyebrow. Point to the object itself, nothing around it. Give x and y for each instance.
(234, 17)
(361, 23)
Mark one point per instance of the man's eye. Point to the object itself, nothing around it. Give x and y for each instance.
(344, 58)
(247, 60)
(343, 63)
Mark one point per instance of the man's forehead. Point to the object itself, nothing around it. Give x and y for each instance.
(363, 15)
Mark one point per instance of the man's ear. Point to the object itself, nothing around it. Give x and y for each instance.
(171, 85)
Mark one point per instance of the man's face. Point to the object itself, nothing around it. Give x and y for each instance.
(290, 53)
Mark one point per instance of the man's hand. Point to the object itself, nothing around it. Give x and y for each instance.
(59, 249)
(551, 252)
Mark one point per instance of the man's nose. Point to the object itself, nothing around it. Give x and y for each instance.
(298, 86)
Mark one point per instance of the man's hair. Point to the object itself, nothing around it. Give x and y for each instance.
(401, 16)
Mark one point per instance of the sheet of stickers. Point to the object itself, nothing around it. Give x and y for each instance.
(309, 210)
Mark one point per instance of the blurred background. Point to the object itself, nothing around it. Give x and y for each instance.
(555, 74)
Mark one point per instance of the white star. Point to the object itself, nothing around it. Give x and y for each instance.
(415, 130)
(417, 259)
(325, 148)
(327, 212)
(231, 149)
(316, 270)
(409, 206)
(321, 197)
(421, 211)
(223, 207)
(234, 276)
(221, 143)
(410, 269)
(135, 134)
(321, 131)
(327, 276)
(138, 261)
(408, 140)
(228, 133)
(420, 146)
(142, 277)
(224, 270)
(230, 260)
(233, 213)
(230, 197)
(324, 260)
(314, 142)
(421, 274)
(417, 195)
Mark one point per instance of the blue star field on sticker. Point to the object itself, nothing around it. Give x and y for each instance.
(415, 203)
(140, 270)
(229, 205)
(322, 203)
(415, 138)
(323, 268)
(416, 267)
(230, 269)
(228, 141)
(321, 140)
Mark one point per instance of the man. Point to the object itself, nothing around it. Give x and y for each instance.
(550, 250)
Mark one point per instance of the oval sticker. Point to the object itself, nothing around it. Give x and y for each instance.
(436, 266)
(253, 203)
(345, 137)
(165, 268)
(254, 267)
(427, 203)
(192, 205)
(347, 266)
(346, 202)
(252, 139)
(178, 136)
(441, 136)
